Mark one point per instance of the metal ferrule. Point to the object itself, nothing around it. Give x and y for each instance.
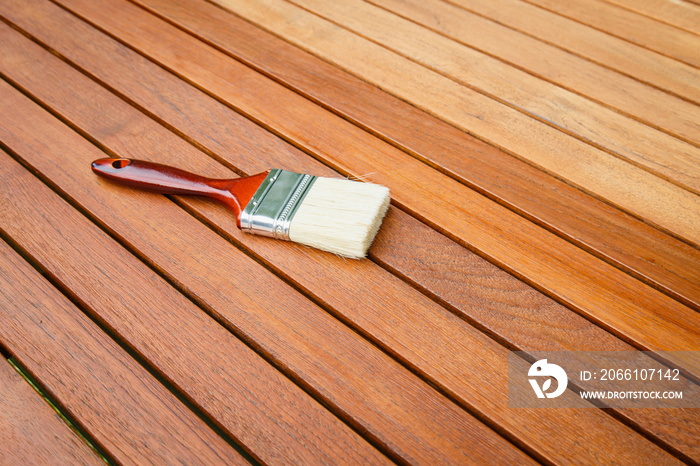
(272, 207)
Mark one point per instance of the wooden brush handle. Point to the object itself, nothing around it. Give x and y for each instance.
(235, 193)
(159, 178)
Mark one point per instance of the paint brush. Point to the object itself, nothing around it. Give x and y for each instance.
(339, 216)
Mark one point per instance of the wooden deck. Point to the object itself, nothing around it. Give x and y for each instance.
(543, 158)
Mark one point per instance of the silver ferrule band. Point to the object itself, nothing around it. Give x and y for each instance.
(272, 207)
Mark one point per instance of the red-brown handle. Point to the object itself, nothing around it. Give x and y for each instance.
(159, 178)
(235, 193)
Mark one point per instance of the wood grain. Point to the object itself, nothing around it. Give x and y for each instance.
(640, 101)
(629, 26)
(633, 246)
(318, 274)
(349, 374)
(30, 431)
(676, 13)
(555, 152)
(126, 411)
(601, 48)
(593, 288)
(652, 150)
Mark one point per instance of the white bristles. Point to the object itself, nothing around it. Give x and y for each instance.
(340, 216)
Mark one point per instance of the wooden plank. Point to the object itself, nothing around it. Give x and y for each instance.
(652, 150)
(555, 152)
(318, 274)
(594, 289)
(676, 13)
(633, 246)
(347, 373)
(127, 412)
(30, 431)
(630, 26)
(647, 66)
(640, 101)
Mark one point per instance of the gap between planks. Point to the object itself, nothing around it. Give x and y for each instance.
(33, 431)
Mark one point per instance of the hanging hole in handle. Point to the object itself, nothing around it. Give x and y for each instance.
(121, 163)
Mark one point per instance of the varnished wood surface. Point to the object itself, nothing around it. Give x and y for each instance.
(268, 351)
(36, 432)
(364, 278)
